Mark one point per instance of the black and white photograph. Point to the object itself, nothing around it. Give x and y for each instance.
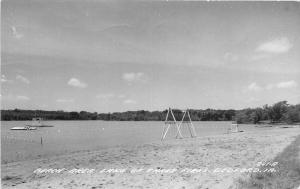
(150, 94)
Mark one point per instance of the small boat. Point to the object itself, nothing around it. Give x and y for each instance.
(27, 128)
(38, 122)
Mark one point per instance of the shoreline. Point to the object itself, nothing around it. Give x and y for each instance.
(102, 148)
(217, 151)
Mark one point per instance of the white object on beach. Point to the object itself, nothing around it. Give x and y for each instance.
(178, 125)
(234, 128)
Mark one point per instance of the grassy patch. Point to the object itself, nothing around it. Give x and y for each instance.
(287, 175)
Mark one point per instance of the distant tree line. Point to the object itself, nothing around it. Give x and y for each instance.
(141, 115)
(279, 112)
(17, 114)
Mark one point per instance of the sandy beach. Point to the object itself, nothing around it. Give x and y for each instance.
(181, 163)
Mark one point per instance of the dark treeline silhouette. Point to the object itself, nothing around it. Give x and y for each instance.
(18, 114)
(279, 112)
(141, 115)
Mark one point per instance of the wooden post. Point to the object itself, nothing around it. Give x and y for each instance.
(166, 131)
(167, 126)
(193, 128)
(177, 126)
(167, 115)
(180, 124)
(42, 141)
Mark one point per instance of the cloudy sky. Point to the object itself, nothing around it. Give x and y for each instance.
(114, 56)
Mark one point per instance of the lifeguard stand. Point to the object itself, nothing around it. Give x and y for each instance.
(169, 123)
(234, 127)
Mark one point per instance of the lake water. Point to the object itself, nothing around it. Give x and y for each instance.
(71, 136)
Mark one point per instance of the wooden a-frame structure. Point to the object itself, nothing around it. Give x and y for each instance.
(178, 124)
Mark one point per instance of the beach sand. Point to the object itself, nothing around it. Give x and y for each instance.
(164, 164)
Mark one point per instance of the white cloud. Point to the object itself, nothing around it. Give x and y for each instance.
(15, 33)
(14, 98)
(77, 83)
(129, 101)
(22, 79)
(4, 79)
(287, 84)
(62, 100)
(254, 87)
(134, 77)
(283, 84)
(23, 98)
(280, 45)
